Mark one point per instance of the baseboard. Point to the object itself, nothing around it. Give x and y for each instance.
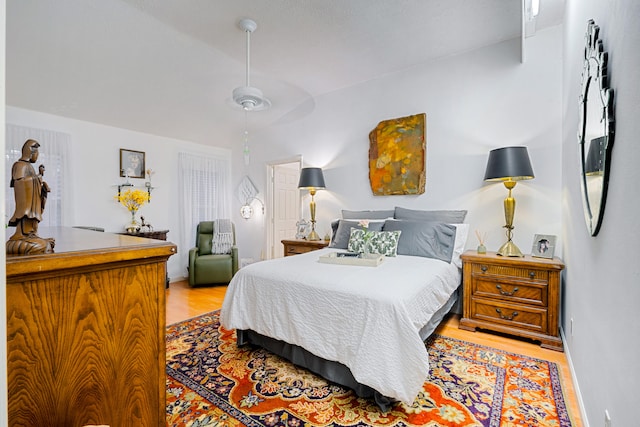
(576, 386)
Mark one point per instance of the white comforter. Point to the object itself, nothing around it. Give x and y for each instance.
(367, 318)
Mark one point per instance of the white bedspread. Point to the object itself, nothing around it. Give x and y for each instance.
(367, 318)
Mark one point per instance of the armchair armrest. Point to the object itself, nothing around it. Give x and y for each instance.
(193, 254)
(234, 259)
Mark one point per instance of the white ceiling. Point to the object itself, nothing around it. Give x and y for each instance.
(167, 67)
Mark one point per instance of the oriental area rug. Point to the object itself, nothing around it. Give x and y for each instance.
(212, 382)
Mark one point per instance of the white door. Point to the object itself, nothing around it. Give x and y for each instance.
(286, 204)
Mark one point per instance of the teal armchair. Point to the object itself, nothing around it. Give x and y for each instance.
(206, 268)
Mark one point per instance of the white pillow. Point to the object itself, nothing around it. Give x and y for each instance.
(462, 231)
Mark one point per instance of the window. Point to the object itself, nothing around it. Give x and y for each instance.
(54, 149)
(204, 183)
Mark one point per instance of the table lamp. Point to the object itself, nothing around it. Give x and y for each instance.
(509, 165)
(312, 179)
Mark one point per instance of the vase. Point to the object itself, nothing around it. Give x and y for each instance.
(366, 250)
(133, 225)
(482, 249)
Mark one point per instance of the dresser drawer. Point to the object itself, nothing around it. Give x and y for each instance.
(507, 271)
(514, 315)
(516, 291)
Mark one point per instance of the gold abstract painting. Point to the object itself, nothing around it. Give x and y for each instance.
(397, 156)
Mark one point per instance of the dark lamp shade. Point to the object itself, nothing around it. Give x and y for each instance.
(508, 164)
(311, 178)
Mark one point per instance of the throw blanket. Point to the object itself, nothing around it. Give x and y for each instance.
(222, 236)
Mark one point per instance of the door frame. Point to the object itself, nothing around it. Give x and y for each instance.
(270, 202)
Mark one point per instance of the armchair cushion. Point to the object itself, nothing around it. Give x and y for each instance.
(204, 236)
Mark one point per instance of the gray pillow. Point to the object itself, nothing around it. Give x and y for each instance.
(341, 236)
(448, 216)
(380, 214)
(426, 239)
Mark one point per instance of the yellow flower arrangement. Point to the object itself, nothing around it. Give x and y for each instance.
(133, 199)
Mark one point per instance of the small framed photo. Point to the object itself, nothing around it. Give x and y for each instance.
(544, 245)
(131, 163)
(302, 227)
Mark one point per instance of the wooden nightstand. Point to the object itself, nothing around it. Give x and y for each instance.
(518, 296)
(299, 246)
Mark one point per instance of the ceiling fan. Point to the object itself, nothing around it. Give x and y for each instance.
(247, 97)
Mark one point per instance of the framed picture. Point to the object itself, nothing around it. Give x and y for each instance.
(302, 227)
(544, 245)
(131, 163)
(402, 144)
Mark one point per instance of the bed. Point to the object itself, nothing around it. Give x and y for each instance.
(359, 326)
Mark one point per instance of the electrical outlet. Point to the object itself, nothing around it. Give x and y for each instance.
(571, 327)
(607, 419)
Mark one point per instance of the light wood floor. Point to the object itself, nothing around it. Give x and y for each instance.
(184, 302)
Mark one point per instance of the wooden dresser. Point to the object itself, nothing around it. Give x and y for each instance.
(155, 234)
(518, 296)
(300, 246)
(86, 331)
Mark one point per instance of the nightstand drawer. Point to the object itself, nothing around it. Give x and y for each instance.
(510, 272)
(296, 247)
(515, 291)
(296, 250)
(522, 317)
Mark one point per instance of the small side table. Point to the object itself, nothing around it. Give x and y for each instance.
(155, 234)
(300, 246)
(513, 295)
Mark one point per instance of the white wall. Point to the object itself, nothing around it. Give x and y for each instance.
(602, 279)
(95, 171)
(3, 271)
(474, 102)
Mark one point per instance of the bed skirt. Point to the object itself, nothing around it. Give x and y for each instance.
(333, 371)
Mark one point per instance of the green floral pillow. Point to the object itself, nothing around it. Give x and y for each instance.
(378, 242)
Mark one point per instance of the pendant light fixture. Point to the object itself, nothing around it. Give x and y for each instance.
(248, 97)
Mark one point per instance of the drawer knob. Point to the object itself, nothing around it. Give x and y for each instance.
(505, 292)
(502, 316)
(484, 268)
(532, 274)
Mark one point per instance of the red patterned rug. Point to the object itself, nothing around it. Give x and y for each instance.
(212, 382)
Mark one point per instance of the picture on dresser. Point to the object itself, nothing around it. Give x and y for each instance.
(544, 245)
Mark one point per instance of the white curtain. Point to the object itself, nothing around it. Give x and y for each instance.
(205, 195)
(54, 151)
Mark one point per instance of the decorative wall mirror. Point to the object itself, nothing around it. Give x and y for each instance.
(595, 129)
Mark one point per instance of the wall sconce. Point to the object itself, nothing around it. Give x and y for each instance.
(149, 188)
(312, 179)
(121, 186)
(509, 165)
(246, 210)
(127, 183)
(247, 191)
